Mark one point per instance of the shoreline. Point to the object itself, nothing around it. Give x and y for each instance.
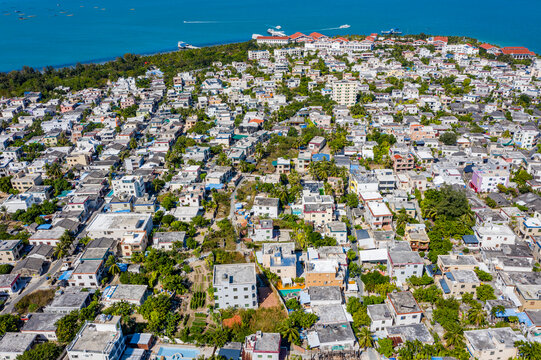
(101, 61)
(113, 58)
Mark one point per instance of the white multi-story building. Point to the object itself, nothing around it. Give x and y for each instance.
(344, 92)
(13, 344)
(525, 138)
(404, 308)
(404, 264)
(264, 231)
(494, 235)
(492, 344)
(381, 318)
(235, 286)
(263, 346)
(87, 273)
(487, 177)
(378, 215)
(339, 231)
(98, 340)
(258, 54)
(116, 225)
(129, 184)
(264, 206)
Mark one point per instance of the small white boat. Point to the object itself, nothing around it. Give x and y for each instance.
(183, 46)
(345, 26)
(274, 32)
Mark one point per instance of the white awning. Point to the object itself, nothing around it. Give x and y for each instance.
(313, 339)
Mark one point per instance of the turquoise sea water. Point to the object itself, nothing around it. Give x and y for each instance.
(59, 32)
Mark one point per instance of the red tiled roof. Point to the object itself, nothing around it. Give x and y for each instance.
(487, 46)
(445, 39)
(273, 37)
(296, 35)
(516, 50)
(258, 121)
(316, 35)
(341, 39)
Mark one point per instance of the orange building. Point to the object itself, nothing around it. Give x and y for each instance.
(324, 273)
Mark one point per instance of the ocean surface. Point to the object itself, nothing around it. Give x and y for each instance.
(60, 33)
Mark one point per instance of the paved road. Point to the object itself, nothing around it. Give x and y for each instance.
(34, 284)
(354, 247)
(233, 196)
(231, 216)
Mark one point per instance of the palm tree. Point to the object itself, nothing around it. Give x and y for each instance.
(4, 213)
(402, 218)
(365, 338)
(430, 212)
(282, 194)
(477, 316)
(300, 237)
(319, 170)
(298, 142)
(244, 166)
(328, 189)
(288, 331)
(499, 309)
(294, 178)
(454, 336)
(528, 350)
(114, 269)
(53, 171)
(468, 217)
(110, 261)
(259, 152)
(60, 251)
(62, 139)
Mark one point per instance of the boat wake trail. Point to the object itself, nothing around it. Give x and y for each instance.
(215, 22)
(203, 22)
(332, 28)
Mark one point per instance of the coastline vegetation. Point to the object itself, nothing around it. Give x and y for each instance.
(82, 76)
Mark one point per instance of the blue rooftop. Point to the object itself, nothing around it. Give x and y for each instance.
(321, 157)
(432, 270)
(361, 234)
(444, 286)
(214, 186)
(65, 275)
(470, 239)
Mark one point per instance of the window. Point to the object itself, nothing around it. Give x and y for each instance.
(402, 318)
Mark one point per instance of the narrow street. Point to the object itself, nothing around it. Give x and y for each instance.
(35, 284)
